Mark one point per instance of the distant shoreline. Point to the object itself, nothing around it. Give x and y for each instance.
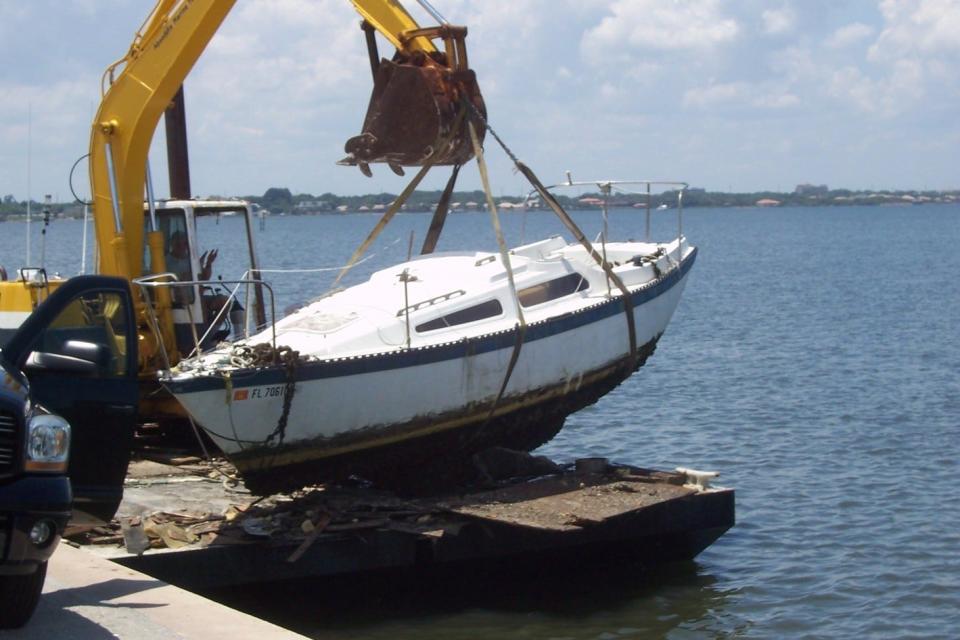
(282, 202)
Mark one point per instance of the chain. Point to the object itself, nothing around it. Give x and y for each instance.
(475, 113)
(258, 355)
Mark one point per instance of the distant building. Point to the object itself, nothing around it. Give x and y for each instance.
(811, 190)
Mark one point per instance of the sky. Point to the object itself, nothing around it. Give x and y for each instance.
(744, 95)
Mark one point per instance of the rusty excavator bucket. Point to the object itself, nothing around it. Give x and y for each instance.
(415, 116)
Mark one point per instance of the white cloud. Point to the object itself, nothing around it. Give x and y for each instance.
(795, 64)
(776, 100)
(714, 94)
(918, 27)
(779, 21)
(739, 94)
(886, 97)
(849, 35)
(280, 55)
(694, 25)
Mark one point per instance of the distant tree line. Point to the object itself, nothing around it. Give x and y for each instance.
(282, 200)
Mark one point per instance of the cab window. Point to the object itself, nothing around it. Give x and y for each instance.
(176, 252)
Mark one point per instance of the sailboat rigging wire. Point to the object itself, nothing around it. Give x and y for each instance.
(605, 189)
(29, 171)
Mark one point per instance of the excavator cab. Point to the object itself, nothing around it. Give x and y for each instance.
(203, 310)
(418, 110)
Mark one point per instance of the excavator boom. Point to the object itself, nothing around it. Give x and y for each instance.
(425, 85)
(392, 20)
(162, 55)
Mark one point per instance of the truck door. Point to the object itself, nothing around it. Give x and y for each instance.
(79, 353)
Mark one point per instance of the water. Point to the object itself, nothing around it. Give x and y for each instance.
(813, 361)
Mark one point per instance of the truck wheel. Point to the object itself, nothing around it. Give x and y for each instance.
(19, 596)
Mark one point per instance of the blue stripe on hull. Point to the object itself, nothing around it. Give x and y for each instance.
(336, 368)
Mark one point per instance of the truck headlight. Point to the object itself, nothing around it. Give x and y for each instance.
(48, 443)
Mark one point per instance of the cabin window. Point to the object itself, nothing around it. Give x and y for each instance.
(481, 311)
(552, 289)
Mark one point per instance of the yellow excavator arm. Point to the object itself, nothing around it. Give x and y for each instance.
(140, 87)
(392, 20)
(415, 118)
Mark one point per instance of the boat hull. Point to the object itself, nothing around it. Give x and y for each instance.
(366, 415)
(430, 452)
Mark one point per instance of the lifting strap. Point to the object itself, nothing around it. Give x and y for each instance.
(396, 204)
(505, 258)
(440, 215)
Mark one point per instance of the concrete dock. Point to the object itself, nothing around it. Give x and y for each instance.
(87, 597)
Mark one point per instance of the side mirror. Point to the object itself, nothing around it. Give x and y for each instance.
(75, 356)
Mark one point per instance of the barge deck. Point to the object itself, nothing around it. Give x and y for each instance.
(188, 526)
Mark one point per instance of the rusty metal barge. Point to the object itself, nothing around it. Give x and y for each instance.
(185, 525)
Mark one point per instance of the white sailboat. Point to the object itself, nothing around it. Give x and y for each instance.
(434, 359)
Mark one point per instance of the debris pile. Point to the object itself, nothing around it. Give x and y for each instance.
(283, 520)
(212, 509)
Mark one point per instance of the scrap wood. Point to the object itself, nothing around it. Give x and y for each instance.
(113, 538)
(223, 537)
(101, 535)
(206, 527)
(357, 525)
(168, 534)
(451, 528)
(321, 523)
(235, 510)
(184, 518)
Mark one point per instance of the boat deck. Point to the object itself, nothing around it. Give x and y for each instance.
(188, 526)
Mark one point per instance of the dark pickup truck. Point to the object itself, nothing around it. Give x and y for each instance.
(68, 399)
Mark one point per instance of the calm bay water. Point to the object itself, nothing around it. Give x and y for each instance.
(813, 361)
